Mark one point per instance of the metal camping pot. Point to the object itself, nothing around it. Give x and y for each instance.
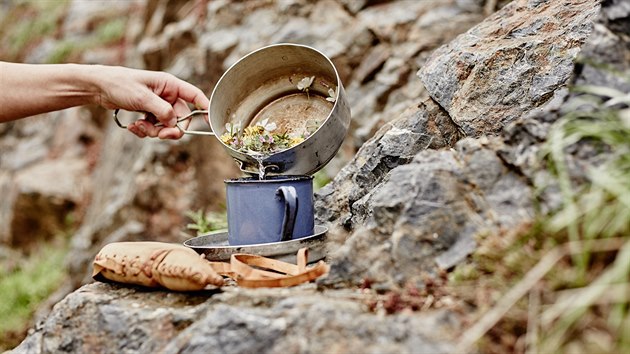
(263, 86)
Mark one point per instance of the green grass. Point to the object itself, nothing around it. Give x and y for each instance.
(105, 34)
(23, 289)
(593, 211)
(563, 284)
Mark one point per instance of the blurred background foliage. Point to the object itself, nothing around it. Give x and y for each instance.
(27, 279)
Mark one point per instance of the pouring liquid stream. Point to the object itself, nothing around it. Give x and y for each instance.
(261, 167)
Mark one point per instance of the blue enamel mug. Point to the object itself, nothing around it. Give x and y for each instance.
(278, 208)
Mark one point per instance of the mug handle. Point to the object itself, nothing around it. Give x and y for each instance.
(289, 195)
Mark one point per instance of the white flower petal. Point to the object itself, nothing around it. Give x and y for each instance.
(332, 93)
(305, 83)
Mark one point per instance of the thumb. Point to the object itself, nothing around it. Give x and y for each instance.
(161, 109)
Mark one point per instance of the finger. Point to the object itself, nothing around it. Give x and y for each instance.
(170, 133)
(147, 128)
(132, 128)
(181, 109)
(191, 94)
(161, 109)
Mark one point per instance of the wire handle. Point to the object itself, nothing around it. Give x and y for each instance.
(179, 120)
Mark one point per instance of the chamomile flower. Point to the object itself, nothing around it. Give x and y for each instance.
(332, 95)
(266, 125)
(305, 83)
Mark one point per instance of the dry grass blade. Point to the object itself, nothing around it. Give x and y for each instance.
(531, 338)
(474, 333)
(618, 272)
(581, 297)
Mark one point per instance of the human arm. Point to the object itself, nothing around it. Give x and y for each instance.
(29, 89)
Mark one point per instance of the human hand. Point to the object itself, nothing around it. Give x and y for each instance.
(161, 95)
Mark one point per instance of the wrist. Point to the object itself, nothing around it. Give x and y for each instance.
(86, 85)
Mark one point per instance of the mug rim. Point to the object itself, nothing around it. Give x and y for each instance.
(268, 179)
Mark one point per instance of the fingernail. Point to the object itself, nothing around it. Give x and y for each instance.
(172, 122)
(142, 128)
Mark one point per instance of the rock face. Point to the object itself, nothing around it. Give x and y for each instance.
(44, 175)
(508, 65)
(419, 128)
(408, 205)
(124, 320)
(411, 209)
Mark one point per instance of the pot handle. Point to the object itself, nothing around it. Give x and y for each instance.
(289, 195)
(179, 120)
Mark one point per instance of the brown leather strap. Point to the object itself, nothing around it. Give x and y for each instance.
(222, 268)
(253, 271)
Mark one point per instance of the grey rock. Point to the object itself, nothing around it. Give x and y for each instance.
(42, 52)
(109, 319)
(607, 55)
(428, 212)
(45, 176)
(112, 319)
(40, 199)
(355, 6)
(470, 5)
(478, 78)
(81, 15)
(398, 14)
(125, 157)
(27, 142)
(615, 14)
(374, 59)
(393, 145)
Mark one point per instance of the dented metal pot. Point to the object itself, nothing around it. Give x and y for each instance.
(264, 85)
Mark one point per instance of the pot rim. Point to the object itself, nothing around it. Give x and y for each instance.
(338, 88)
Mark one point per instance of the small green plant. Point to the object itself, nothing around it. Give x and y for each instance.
(63, 50)
(206, 222)
(320, 179)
